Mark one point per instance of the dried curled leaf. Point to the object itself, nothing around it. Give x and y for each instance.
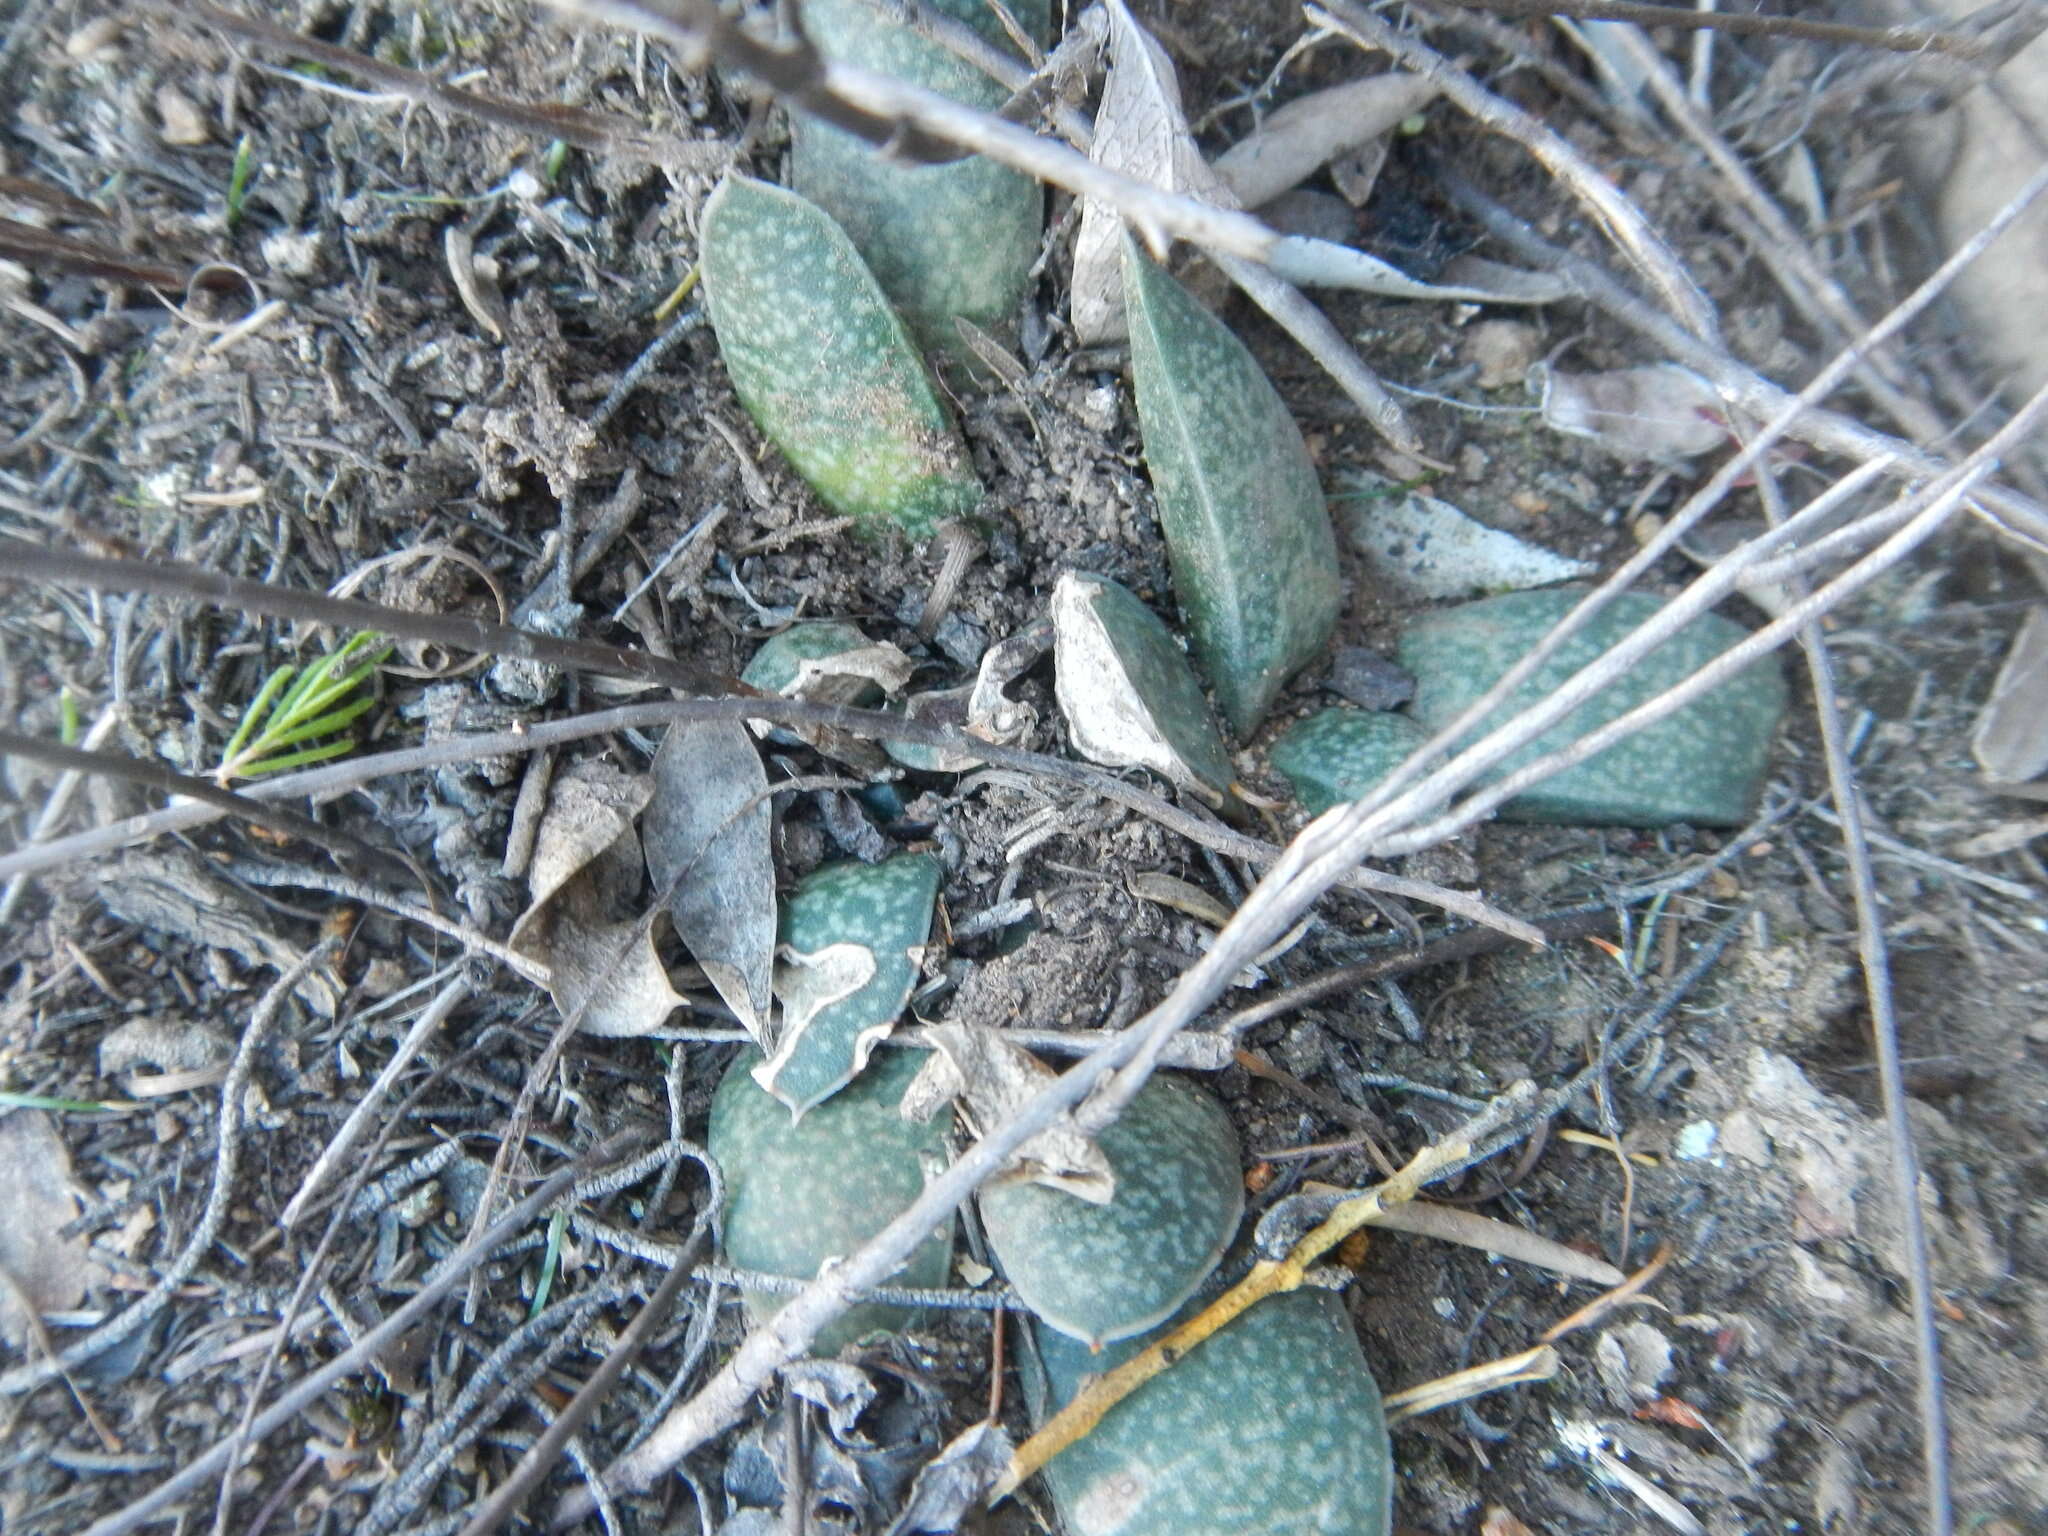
(1300, 138)
(824, 364)
(1247, 531)
(992, 1079)
(584, 881)
(1662, 412)
(706, 834)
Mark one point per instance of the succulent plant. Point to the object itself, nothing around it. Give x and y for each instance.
(1337, 755)
(1247, 530)
(1271, 1427)
(781, 657)
(1129, 695)
(942, 240)
(797, 1195)
(1703, 764)
(851, 940)
(824, 364)
(1101, 1272)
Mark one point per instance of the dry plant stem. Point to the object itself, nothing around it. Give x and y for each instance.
(314, 1384)
(524, 966)
(1801, 276)
(154, 775)
(57, 803)
(595, 131)
(1538, 1364)
(1469, 1229)
(1905, 1169)
(1267, 1278)
(540, 1458)
(226, 1159)
(1623, 221)
(344, 1140)
(908, 121)
(1890, 39)
(2017, 516)
(1785, 415)
(866, 723)
(1285, 303)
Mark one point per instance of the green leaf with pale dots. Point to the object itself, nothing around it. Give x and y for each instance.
(776, 664)
(1101, 1272)
(942, 240)
(1338, 755)
(1271, 1427)
(851, 940)
(1247, 531)
(824, 364)
(1704, 764)
(797, 1195)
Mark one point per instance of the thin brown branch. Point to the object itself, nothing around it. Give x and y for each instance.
(1972, 43)
(599, 132)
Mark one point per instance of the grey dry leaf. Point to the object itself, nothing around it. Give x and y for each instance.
(2010, 741)
(1296, 141)
(991, 1079)
(38, 1198)
(1141, 131)
(1423, 547)
(955, 1481)
(584, 881)
(706, 833)
(1662, 412)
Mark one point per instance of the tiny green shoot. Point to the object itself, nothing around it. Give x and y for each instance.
(549, 1264)
(239, 177)
(67, 717)
(554, 162)
(296, 706)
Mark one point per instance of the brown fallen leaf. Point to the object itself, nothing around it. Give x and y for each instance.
(38, 1197)
(1300, 138)
(585, 880)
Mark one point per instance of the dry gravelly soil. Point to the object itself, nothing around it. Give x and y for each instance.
(376, 414)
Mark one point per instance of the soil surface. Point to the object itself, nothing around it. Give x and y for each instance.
(332, 407)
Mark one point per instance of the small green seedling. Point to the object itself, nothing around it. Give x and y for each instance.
(239, 177)
(297, 706)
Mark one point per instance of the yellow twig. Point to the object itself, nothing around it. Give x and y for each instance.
(1538, 1364)
(1267, 1278)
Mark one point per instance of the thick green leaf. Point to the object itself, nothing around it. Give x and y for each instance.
(1272, 1427)
(851, 940)
(797, 1195)
(1101, 1272)
(1338, 755)
(824, 363)
(1703, 765)
(1125, 686)
(1247, 531)
(943, 240)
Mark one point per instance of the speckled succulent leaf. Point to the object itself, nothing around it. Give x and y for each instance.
(1704, 764)
(1129, 695)
(1247, 531)
(1101, 1272)
(881, 910)
(824, 363)
(797, 1195)
(1272, 1427)
(1338, 755)
(942, 240)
